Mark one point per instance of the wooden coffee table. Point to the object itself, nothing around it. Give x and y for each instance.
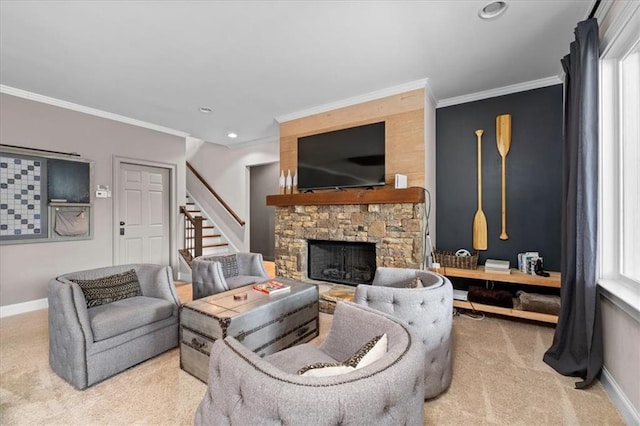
(261, 322)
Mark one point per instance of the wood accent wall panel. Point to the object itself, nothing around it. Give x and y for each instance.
(404, 150)
(405, 133)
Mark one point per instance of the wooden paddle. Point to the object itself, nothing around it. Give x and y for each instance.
(479, 220)
(503, 139)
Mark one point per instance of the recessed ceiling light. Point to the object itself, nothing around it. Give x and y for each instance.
(232, 135)
(492, 10)
(205, 110)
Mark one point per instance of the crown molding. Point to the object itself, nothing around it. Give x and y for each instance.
(87, 110)
(506, 90)
(613, 19)
(378, 94)
(259, 141)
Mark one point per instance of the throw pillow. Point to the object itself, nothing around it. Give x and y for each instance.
(372, 351)
(415, 282)
(109, 289)
(545, 303)
(324, 369)
(229, 265)
(490, 296)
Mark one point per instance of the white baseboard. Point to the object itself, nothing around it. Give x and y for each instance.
(619, 399)
(21, 308)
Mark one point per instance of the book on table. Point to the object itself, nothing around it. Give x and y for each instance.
(271, 287)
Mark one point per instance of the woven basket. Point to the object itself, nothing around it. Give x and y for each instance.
(448, 259)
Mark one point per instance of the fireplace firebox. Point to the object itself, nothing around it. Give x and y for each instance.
(343, 262)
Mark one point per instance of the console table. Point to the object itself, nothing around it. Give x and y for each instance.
(515, 277)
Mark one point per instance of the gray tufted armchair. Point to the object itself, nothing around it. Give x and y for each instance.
(87, 345)
(245, 389)
(215, 274)
(428, 310)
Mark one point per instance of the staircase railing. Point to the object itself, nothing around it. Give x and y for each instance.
(215, 194)
(192, 235)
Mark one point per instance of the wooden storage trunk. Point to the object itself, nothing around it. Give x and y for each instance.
(263, 323)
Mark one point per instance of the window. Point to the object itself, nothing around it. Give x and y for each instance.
(630, 162)
(619, 249)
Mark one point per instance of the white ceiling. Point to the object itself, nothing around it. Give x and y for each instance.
(159, 61)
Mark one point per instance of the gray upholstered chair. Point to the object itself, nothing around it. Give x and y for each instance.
(428, 310)
(90, 344)
(245, 389)
(215, 274)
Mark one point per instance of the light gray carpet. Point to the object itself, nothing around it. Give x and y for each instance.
(499, 379)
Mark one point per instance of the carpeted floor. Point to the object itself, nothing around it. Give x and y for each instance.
(499, 379)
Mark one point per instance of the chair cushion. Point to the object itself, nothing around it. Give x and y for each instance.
(296, 357)
(101, 291)
(128, 314)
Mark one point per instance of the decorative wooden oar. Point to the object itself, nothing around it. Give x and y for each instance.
(503, 139)
(479, 220)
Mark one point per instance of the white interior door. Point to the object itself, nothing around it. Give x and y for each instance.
(144, 231)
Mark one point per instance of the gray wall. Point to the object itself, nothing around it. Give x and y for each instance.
(263, 181)
(25, 269)
(534, 167)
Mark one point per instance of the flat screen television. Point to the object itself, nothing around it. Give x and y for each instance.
(352, 157)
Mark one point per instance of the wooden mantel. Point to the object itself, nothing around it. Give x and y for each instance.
(349, 196)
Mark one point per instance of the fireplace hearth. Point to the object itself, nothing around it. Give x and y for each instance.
(343, 262)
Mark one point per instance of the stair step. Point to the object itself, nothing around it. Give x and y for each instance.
(205, 236)
(212, 241)
(214, 245)
(200, 215)
(203, 227)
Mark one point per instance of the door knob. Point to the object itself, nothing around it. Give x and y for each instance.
(121, 223)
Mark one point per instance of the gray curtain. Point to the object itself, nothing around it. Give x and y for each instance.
(577, 343)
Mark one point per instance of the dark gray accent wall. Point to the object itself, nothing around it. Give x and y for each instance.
(534, 175)
(263, 181)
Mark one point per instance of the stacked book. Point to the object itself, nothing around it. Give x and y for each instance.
(497, 266)
(527, 261)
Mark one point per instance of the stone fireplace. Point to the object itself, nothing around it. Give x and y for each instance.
(393, 227)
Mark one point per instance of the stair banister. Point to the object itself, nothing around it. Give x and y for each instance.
(192, 235)
(215, 195)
